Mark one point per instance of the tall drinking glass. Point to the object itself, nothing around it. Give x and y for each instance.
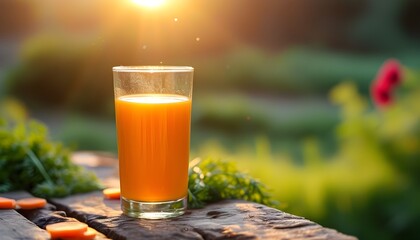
(153, 115)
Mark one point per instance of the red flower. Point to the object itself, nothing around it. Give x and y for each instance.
(390, 73)
(388, 77)
(381, 93)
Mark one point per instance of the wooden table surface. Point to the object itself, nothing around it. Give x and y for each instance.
(229, 219)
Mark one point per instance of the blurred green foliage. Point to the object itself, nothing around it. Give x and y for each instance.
(91, 133)
(294, 71)
(240, 114)
(62, 72)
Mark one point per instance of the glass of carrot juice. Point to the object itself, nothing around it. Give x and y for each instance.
(153, 115)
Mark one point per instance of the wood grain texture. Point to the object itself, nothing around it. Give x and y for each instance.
(14, 226)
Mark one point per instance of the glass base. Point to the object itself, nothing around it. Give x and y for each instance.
(153, 210)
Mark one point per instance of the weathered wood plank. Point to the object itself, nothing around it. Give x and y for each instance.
(43, 216)
(231, 219)
(14, 226)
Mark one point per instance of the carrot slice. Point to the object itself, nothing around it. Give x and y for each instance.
(88, 235)
(112, 193)
(7, 203)
(67, 229)
(31, 203)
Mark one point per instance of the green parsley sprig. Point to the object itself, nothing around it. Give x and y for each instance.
(212, 180)
(30, 161)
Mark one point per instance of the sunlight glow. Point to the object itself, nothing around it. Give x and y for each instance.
(149, 3)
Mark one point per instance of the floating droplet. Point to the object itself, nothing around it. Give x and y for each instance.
(144, 47)
(197, 39)
(175, 19)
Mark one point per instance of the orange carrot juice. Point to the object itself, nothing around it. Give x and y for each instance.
(153, 146)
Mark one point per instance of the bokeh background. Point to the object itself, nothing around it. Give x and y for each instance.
(282, 88)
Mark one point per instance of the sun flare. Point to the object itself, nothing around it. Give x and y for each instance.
(149, 3)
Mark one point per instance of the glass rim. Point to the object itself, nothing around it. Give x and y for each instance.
(152, 69)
